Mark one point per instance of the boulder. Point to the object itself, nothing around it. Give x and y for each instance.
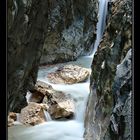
(59, 104)
(69, 74)
(39, 91)
(11, 118)
(33, 114)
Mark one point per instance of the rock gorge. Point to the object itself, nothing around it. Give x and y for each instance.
(108, 113)
(48, 32)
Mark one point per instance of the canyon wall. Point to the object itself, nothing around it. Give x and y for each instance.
(53, 30)
(108, 112)
(71, 31)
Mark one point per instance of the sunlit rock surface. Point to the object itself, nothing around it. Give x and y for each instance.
(69, 74)
(59, 104)
(32, 114)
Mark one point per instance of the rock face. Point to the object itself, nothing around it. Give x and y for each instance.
(61, 30)
(109, 103)
(27, 24)
(69, 74)
(71, 31)
(121, 117)
(32, 114)
(59, 105)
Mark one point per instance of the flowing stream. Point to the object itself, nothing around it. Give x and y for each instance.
(64, 130)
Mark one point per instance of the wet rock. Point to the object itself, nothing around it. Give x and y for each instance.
(10, 122)
(71, 31)
(60, 30)
(69, 74)
(110, 83)
(59, 104)
(32, 114)
(26, 30)
(39, 91)
(121, 118)
(11, 118)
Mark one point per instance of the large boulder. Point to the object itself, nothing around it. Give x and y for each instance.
(68, 74)
(33, 114)
(40, 90)
(59, 104)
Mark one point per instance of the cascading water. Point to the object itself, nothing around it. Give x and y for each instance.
(47, 115)
(64, 130)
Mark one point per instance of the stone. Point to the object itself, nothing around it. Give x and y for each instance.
(71, 31)
(111, 79)
(26, 34)
(11, 118)
(59, 105)
(40, 90)
(69, 74)
(55, 31)
(36, 97)
(32, 114)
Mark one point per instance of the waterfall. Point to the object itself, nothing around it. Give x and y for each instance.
(47, 116)
(28, 96)
(65, 130)
(101, 24)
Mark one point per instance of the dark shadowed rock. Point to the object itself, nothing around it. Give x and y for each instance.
(27, 24)
(61, 30)
(72, 30)
(110, 82)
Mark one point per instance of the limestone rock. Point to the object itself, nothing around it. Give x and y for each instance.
(69, 74)
(40, 90)
(26, 34)
(71, 31)
(11, 118)
(32, 114)
(58, 104)
(111, 78)
(60, 30)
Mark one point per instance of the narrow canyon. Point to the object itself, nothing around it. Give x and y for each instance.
(69, 69)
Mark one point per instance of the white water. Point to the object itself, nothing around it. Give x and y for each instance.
(64, 130)
(47, 116)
